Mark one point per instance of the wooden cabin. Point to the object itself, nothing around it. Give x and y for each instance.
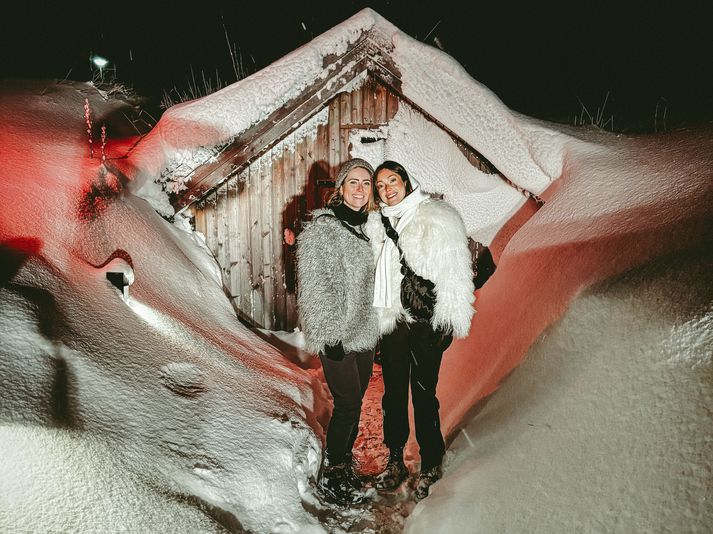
(268, 180)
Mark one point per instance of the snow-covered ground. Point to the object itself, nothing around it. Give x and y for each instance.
(162, 412)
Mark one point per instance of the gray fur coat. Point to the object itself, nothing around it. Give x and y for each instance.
(335, 277)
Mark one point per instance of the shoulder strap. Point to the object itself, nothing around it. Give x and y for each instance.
(360, 235)
(391, 233)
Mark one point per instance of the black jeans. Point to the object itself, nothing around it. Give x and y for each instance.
(347, 380)
(412, 353)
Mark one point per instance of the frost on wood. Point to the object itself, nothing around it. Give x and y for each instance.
(369, 144)
(179, 171)
(308, 130)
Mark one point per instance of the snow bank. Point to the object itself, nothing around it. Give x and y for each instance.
(193, 420)
(623, 201)
(605, 427)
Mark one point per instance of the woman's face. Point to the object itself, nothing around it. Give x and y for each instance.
(356, 188)
(390, 186)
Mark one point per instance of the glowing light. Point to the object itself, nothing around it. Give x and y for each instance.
(99, 61)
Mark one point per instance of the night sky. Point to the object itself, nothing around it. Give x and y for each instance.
(541, 60)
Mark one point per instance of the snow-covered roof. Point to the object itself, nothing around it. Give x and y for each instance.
(288, 91)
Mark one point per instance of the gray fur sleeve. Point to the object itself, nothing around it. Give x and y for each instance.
(321, 286)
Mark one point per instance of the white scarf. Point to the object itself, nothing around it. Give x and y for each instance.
(404, 210)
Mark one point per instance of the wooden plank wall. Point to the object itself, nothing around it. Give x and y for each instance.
(244, 220)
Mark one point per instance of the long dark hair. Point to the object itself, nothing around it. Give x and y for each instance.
(393, 167)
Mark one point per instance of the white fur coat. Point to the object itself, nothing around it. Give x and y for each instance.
(435, 246)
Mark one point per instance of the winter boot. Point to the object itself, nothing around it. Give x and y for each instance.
(425, 480)
(336, 487)
(355, 479)
(395, 472)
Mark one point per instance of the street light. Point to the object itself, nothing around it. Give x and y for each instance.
(99, 61)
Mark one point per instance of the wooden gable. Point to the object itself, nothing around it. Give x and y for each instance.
(368, 55)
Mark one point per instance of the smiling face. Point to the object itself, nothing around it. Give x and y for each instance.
(356, 188)
(390, 186)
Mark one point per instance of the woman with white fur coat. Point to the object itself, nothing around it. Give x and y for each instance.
(424, 296)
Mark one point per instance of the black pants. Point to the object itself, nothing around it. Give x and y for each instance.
(412, 353)
(347, 380)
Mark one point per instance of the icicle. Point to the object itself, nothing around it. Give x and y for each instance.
(103, 143)
(88, 120)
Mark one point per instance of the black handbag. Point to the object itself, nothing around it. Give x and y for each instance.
(483, 264)
(417, 293)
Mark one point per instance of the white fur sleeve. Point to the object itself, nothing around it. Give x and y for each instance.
(449, 266)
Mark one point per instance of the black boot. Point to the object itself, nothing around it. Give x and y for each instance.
(336, 485)
(425, 480)
(355, 479)
(395, 472)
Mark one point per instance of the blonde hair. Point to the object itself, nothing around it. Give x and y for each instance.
(337, 199)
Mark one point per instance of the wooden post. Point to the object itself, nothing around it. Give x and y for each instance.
(211, 239)
(367, 91)
(380, 97)
(245, 235)
(234, 259)
(220, 227)
(392, 105)
(266, 230)
(356, 106)
(200, 218)
(278, 266)
(255, 243)
(334, 139)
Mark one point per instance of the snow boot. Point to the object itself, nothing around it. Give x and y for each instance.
(355, 479)
(425, 480)
(395, 472)
(336, 486)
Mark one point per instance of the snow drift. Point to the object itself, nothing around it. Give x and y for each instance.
(129, 412)
(606, 425)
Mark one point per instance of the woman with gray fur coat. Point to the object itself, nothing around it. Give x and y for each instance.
(424, 296)
(335, 275)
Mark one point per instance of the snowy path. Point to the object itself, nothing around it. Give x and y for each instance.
(371, 452)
